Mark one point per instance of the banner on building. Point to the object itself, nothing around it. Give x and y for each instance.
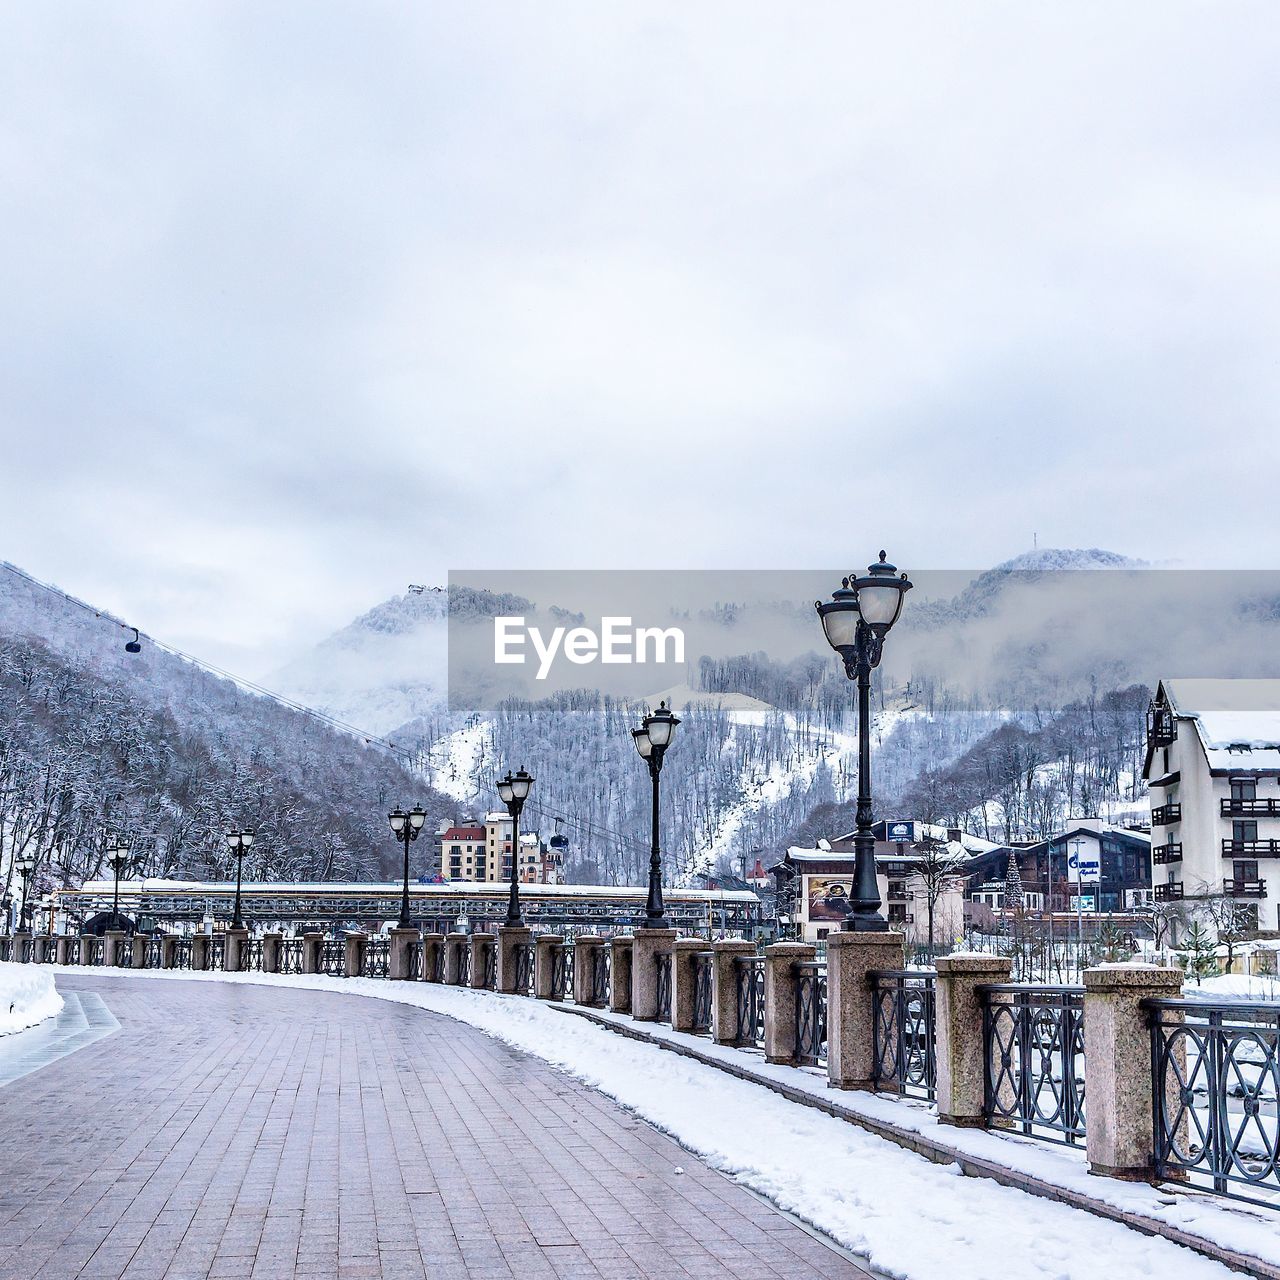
(901, 832)
(829, 898)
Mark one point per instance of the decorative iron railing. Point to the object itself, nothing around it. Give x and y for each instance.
(217, 952)
(1033, 1040)
(704, 968)
(491, 968)
(464, 965)
(75, 949)
(562, 971)
(333, 957)
(251, 955)
(748, 980)
(291, 955)
(1215, 1076)
(524, 968)
(601, 975)
(903, 1029)
(437, 963)
(153, 952)
(662, 963)
(6, 948)
(810, 978)
(375, 959)
(413, 959)
(91, 950)
(182, 953)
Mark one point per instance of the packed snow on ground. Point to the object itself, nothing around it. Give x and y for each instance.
(27, 996)
(911, 1218)
(1233, 986)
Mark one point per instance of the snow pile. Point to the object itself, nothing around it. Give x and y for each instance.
(1234, 986)
(27, 996)
(911, 1218)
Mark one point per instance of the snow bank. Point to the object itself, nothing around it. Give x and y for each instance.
(27, 996)
(912, 1218)
(1233, 986)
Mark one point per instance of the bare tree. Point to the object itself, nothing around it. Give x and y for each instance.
(937, 866)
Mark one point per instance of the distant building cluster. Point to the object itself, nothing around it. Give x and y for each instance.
(481, 852)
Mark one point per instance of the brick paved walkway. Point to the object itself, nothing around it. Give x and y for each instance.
(245, 1131)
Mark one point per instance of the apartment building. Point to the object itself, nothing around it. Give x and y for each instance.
(1213, 767)
(482, 852)
(464, 852)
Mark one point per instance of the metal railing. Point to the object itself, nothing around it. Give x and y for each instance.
(333, 957)
(290, 955)
(491, 968)
(748, 981)
(662, 962)
(601, 975)
(217, 951)
(413, 959)
(562, 971)
(251, 955)
(153, 952)
(524, 968)
(464, 966)
(703, 991)
(182, 953)
(1215, 1075)
(375, 959)
(6, 948)
(903, 1029)
(91, 950)
(437, 963)
(1033, 1042)
(811, 1012)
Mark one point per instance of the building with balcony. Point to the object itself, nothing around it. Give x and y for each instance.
(1213, 768)
(1122, 858)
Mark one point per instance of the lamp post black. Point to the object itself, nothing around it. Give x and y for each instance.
(405, 828)
(26, 865)
(856, 620)
(239, 842)
(652, 739)
(513, 791)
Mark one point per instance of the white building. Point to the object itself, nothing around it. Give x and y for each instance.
(1213, 767)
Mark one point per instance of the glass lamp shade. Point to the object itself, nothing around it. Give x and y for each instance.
(520, 785)
(26, 864)
(840, 617)
(233, 840)
(880, 594)
(416, 818)
(397, 819)
(246, 837)
(660, 726)
(644, 744)
(506, 789)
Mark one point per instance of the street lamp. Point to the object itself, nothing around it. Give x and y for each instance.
(652, 739)
(239, 843)
(118, 857)
(513, 791)
(26, 865)
(856, 620)
(405, 828)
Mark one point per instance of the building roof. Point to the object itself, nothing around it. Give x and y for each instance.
(1238, 720)
(463, 833)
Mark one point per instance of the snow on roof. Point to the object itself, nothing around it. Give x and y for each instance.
(1238, 720)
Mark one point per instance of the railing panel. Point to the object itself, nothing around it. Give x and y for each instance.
(662, 962)
(524, 968)
(290, 955)
(333, 957)
(1033, 1039)
(464, 966)
(153, 953)
(904, 1025)
(375, 960)
(182, 953)
(491, 968)
(811, 1013)
(703, 991)
(413, 958)
(251, 955)
(1215, 1075)
(601, 975)
(748, 972)
(562, 971)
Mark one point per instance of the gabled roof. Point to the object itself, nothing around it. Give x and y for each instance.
(1238, 721)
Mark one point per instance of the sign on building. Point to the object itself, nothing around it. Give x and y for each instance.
(901, 832)
(1083, 865)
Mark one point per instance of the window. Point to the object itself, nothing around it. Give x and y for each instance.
(897, 913)
(1245, 872)
(1244, 831)
(1244, 789)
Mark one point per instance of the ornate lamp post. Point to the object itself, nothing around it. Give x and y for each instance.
(239, 843)
(26, 865)
(513, 791)
(856, 620)
(652, 739)
(118, 858)
(405, 828)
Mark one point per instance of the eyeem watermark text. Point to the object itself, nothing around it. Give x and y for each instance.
(617, 641)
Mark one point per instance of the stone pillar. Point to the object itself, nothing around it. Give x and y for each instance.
(63, 952)
(453, 944)
(271, 944)
(510, 939)
(432, 947)
(355, 953)
(398, 965)
(138, 955)
(648, 945)
(724, 998)
(544, 965)
(39, 948)
(684, 977)
(114, 940)
(962, 1066)
(481, 945)
(168, 951)
(311, 943)
(584, 967)
(1117, 1065)
(233, 950)
(620, 973)
(851, 1047)
(780, 998)
(201, 951)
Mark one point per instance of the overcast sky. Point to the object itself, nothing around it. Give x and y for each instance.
(304, 302)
